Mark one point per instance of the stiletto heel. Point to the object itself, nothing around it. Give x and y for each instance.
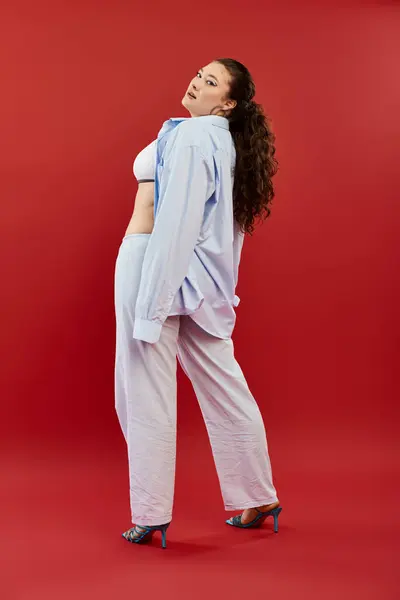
(164, 538)
(258, 521)
(141, 535)
(276, 515)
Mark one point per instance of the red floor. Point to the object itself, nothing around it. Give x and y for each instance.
(338, 538)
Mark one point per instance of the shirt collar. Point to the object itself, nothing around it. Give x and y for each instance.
(213, 119)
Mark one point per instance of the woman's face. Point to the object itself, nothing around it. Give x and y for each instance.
(208, 92)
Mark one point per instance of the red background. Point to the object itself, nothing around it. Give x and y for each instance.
(85, 86)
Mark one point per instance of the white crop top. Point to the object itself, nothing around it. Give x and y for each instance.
(145, 163)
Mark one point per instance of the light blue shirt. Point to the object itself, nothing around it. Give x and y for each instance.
(192, 258)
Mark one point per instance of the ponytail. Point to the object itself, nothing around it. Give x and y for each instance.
(254, 140)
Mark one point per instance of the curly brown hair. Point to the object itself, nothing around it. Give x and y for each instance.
(253, 190)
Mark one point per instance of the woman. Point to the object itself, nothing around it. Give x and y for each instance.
(201, 185)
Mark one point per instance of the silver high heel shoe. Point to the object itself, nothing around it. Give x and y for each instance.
(236, 521)
(141, 534)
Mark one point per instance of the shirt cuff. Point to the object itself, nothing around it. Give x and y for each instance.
(147, 331)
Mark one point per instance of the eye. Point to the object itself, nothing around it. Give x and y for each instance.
(209, 81)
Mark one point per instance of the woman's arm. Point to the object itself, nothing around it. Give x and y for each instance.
(187, 182)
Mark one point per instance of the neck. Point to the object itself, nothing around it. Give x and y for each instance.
(215, 115)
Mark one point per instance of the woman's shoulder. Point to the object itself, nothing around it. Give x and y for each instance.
(193, 132)
(192, 126)
(188, 133)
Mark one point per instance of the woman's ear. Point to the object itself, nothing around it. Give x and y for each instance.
(230, 104)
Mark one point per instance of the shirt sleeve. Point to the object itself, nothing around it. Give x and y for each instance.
(186, 183)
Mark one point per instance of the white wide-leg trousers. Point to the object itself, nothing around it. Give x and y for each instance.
(145, 401)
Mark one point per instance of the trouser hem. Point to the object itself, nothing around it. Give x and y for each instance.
(150, 522)
(251, 504)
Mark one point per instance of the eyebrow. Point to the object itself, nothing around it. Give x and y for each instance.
(209, 75)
